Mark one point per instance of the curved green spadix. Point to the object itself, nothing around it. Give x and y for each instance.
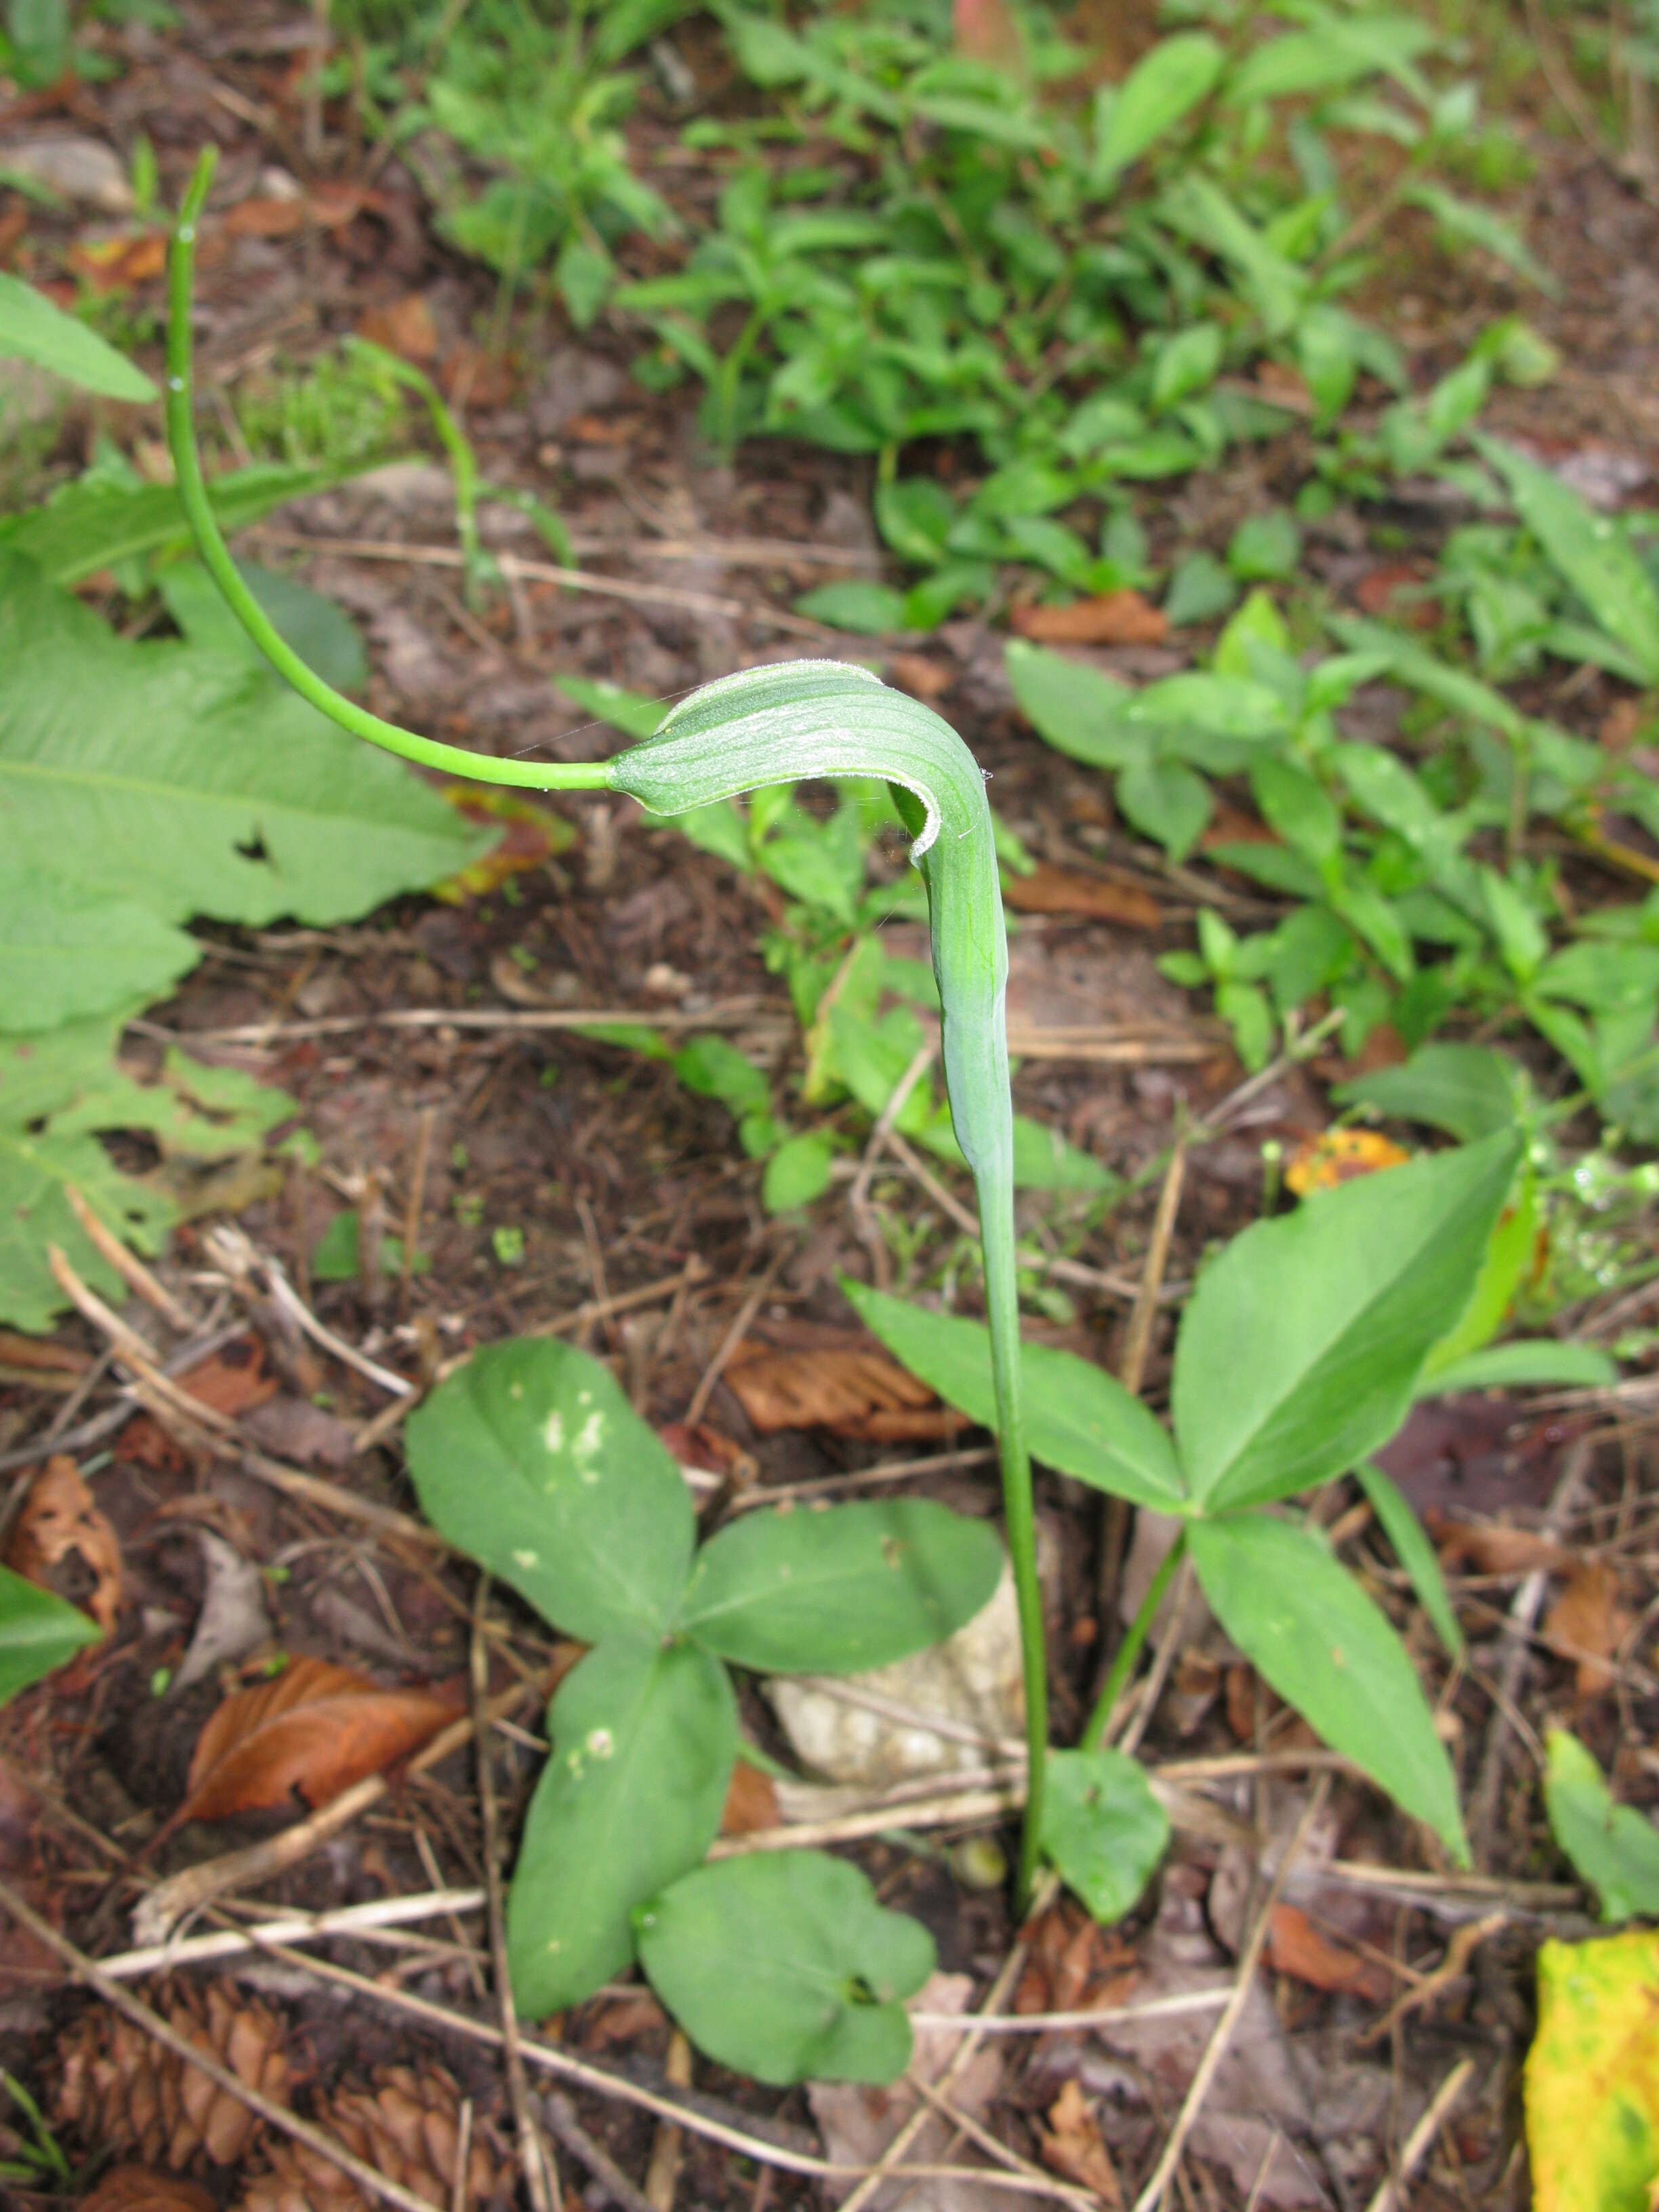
(799, 719)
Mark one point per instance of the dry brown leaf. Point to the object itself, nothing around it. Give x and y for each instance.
(1073, 1963)
(472, 378)
(857, 1392)
(40, 1354)
(699, 1444)
(331, 206)
(614, 2020)
(1072, 2144)
(137, 2189)
(1587, 1623)
(405, 327)
(1339, 1155)
(1295, 1946)
(315, 1729)
(232, 1381)
(1490, 1548)
(112, 264)
(1395, 590)
(58, 1519)
(924, 679)
(528, 834)
(1049, 889)
(751, 1802)
(1122, 618)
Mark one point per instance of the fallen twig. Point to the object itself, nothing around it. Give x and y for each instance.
(1418, 2141)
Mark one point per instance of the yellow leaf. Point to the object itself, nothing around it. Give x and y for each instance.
(1337, 1156)
(1592, 2084)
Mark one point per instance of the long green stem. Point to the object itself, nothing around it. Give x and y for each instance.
(1123, 1664)
(765, 726)
(451, 760)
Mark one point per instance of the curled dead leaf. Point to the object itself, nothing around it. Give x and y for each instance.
(1298, 1947)
(59, 1520)
(856, 1391)
(1072, 2144)
(405, 327)
(1122, 618)
(1073, 1964)
(1490, 1547)
(529, 834)
(1049, 889)
(751, 1802)
(1339, 1155)
(316, 1729)
(138, 2189)
(1588, 1624)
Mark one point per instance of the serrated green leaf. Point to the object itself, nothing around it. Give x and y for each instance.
(1102, 1828)
(1301, 1342)
(181, 780)
(643, 1735)
(66, 952)
(1308, 1628)
(1078, 1419)
(842, 1591)
(783, 1966)
(1469, 1090)
(531, 1461)
(33, 330)
(38, 1631)
(92, 523)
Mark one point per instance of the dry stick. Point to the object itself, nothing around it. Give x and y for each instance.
(381, 1912)
(578, 579)
(561, 2119)
(161, 2030)
(1417, 2143)
(662, 2176)
(734, 1336)
(1152, 2194)
(228, 1248)
(1465, 1940)
(541, 2178)
(193, 1887)
(858, 1198)
(583, 2074)
(459, 2179)
(127, 1264)
(412, 1212)
(1044, 2185)
(1009, 1973)
(1523, 1613)
(1137, 1342)
(1063, 1271)
(1163, 1660)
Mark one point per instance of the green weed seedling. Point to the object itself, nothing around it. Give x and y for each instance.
(1361, 1285)
(531, 1461)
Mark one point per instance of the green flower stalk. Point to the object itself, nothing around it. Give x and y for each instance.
(770, 725)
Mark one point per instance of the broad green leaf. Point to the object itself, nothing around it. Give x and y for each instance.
(1589, 551)
(1167, 802)
(57, 1089)
(531, 1461)
(1078, 1419)
(713, 1067)
(1185, 364)
(38, 1631)
(66, 952)
(1265, 547)
(1333, 53)
(92, 523)
(1301, 1344)
(797, 1172)
(1304, 1622)
(840, 1590)
(1075, 708)
(643, 1735)
(1102, 1828)
(631, 712)
(180, 779)
(1469, 1090)
(854, 604)
(320, 631)
(1592, 2075)
(1161, 87)
(1613, 1848)
(1467, 223)
(783, 1966)
(1525, 1361)
(33, 330)
(1415, 1553)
